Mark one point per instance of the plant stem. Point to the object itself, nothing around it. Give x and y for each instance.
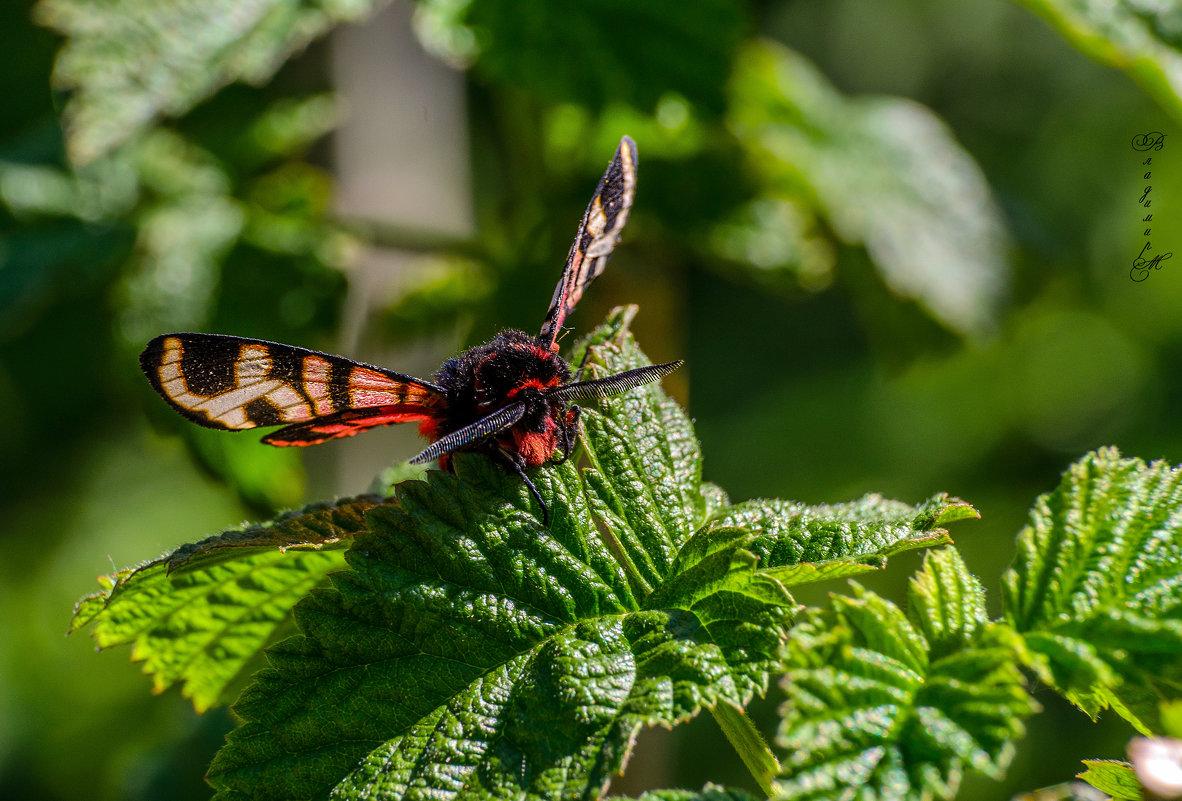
(752, 748)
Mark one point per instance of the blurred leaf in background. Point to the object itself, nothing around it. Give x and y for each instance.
(1142, 38)
(132, 62)
(883, 173)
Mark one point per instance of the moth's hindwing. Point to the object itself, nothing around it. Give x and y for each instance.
(234, 383)
(598, 233)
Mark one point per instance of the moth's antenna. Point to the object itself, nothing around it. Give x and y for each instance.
(495, 423)
(615, 384)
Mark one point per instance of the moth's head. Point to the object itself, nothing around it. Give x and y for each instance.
(515, 366)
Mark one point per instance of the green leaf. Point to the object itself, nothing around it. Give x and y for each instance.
(630, 53)
(711, 792)
(199, 614)
(290, 125)
(318, 526)
(884, 173)
(799, 543)
(1096, 586)
(186, 222)
(946, 602)
(471, 649)
(1143, 39)
(876, 710)
(189, 222)
(189, 49)
(646, 478)
(1114, 778)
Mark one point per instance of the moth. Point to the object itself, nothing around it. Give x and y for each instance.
(513, 398)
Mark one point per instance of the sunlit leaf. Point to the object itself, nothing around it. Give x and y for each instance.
(472, 649)
(317, 527)
(801, 543)
(198, 615)
(946, 602)
(648, 488)
(1142, 38)
(875, 711)
(884, 173)
(1113, 778)
(131, 62)
(292, 124)
(1096, 587)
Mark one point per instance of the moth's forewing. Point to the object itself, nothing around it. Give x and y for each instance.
(235, 383)
(598, 233)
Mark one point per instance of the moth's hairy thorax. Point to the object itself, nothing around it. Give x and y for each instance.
(513, 366)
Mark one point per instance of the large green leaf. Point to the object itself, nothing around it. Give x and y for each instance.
(199, 614)
(1096, 586)
(891, 706)
(1142, 38)
(474, 651)
(646, 481)
(471, 648)
(884, 173)
(799, 543)
(130, 62)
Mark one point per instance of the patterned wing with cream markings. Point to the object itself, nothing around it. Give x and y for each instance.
(598, 233)
(234, 383)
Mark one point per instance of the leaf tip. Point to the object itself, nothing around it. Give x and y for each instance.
(957, 510)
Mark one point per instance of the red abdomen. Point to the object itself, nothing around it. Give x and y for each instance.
(535, 447)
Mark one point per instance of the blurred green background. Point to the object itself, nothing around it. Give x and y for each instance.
(892, 240)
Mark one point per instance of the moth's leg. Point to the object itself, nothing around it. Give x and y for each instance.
(516, 464)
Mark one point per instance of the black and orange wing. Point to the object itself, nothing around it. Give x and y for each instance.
(235, 384)
(598, 233)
